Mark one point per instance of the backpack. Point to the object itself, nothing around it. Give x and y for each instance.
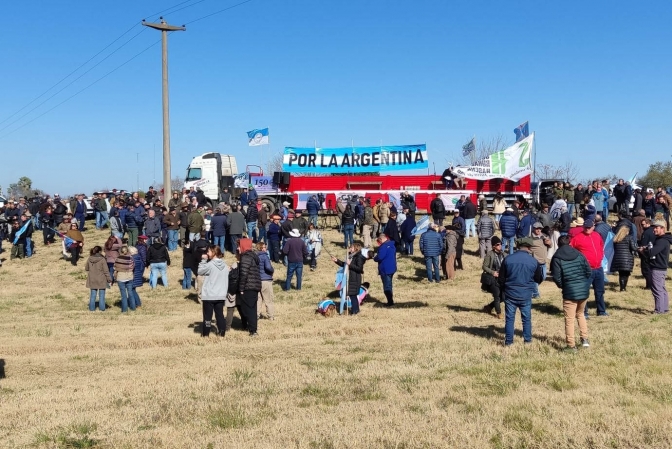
(234, 280)
(439, 207)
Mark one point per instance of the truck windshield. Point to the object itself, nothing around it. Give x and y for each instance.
(193, 174)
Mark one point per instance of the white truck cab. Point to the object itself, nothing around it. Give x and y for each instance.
(211, 172)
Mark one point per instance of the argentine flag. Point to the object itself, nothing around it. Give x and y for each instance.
(258, 137)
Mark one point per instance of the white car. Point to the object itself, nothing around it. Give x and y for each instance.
(3, 200)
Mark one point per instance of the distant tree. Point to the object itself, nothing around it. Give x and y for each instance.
(568, 172)
(274, 164)
(658, 175)
(484, 148)
(20, 188)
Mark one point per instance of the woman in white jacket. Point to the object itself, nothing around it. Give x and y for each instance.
(215, 287)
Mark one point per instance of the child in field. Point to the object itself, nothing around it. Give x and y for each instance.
(98, 278)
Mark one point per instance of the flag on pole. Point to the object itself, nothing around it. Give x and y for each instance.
(257, 137)
(469, 147)
(522, 131)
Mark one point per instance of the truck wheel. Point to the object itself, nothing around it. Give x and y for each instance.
(270, 205)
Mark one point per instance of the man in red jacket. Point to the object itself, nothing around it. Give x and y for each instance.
(590, 244)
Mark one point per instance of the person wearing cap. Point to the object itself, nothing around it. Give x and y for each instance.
(172, 221)
(449, 252)
(518, 276)
(489, 279)
(296, 251)
(508, 225)
(252, 195)
(431, 247)
(658, 255)
(540, 245)
(251, 218)
(150, 194)
(459, 225)
(28, 232)
(274, 236)
(590, 244)
(575, 227)
(300, 223)
(244, 200)
(571, 273)
(525, 224)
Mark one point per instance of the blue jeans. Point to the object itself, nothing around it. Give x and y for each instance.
(173, 237)
(101, 219)
(29, 247)
(127, 299)
(511, 242)
(156, 270)
(294, 267)
(186, 280)
(313, 220)
(110, 266)
(432, 264)
(543, 278)
(387, 282)
(498, 217)
(80, 219)
(348, 233)
(471, 226)
(219, 241)
(261, 237)
(234, 242)
(101, 299)
(136, 297)
(570, 209)
(193, 236)
(118, 234)
(597, 281)
(525, 306)
(251, 226)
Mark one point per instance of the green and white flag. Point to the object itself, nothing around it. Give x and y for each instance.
(512, 163)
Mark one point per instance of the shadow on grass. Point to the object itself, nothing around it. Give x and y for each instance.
(472, 252)
(456, 308)
(492, 331)
(192, 297)
(2, 368)
(635, 310)
(546, 308)
(197, 326)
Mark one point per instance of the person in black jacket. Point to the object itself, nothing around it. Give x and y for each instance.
(158, 260)
(647, 239)
(624, 259)
(348, 222)
(659, 255)
(249, 284)
(355, 266)
(438, 210)
(198, 248)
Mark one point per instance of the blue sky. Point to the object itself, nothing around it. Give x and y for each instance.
(592, 78)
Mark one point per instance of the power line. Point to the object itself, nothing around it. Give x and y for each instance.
(188, 6)
(92, 58)
(69, 74)
(75, 80)
(218, 12)
(82, 90)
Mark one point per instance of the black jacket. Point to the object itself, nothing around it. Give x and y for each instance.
(157, 253)
(355, 272)
(348, 217)
(438, 209)
(198, 248)
(623, 259)
(660, 253)
(250, 277)
(469, 210)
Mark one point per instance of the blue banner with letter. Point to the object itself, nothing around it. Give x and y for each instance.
(263, 184)
(354, 159)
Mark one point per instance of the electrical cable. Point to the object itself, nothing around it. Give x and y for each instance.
(82, 90)
(185, 7)
(220, 11)
(76, 79)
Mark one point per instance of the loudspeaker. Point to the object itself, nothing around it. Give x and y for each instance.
(277, 177)
(285, 178)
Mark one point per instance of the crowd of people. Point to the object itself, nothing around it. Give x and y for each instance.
(568, 240)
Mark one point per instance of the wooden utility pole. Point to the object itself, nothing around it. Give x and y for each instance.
(164, 27)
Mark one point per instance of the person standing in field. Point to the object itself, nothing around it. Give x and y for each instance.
(296, 250)
(355, 266)
(387, 266)
(138, 271)
(215, 287)
(571, 273)
(158, 261)
(123, 276)
(518, 276)
(249, 284)
(658, 256)
(266, 275)
(624, 260)
(590, 244)
(438, 210)
(490, 277)
(431, 246)
(485, 229)
(97, 278)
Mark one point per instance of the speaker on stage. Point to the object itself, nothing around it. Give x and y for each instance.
(277, 177)
(285, 178)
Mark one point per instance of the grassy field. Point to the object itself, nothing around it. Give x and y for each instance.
(430, 373)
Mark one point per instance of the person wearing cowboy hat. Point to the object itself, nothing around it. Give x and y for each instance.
(296, 251)
(518, 276)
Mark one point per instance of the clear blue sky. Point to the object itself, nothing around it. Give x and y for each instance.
(592, 78)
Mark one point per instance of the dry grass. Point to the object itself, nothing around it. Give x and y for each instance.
(429, 373)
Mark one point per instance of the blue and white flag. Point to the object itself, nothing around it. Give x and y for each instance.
(522, 131)
(257, 137)
(421, 226)
(469, 147)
